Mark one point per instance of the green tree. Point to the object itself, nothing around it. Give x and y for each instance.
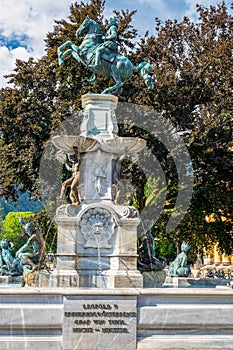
(192, 63)
(14, 232)
(12, 228)
(1, 219)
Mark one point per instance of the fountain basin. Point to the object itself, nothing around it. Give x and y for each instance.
(117, 145)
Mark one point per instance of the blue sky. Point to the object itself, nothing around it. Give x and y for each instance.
(24, 23)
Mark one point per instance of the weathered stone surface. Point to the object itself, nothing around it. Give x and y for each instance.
(36, 278)
(153, 279)
(184, 282)
(98, 239)
(64, 278)
(99, 116)
(167, 318)
(10, 280)
(99, 323)
(185, 318)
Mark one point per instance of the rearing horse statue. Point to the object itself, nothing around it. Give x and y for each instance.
(112, 64)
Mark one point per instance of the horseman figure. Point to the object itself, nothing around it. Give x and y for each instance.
(109, 45)
(100, 53)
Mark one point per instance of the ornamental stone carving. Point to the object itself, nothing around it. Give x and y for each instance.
(97, 226)
(66, 210)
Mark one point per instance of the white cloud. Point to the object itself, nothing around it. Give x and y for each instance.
(7, 60)
(191, 12)
(31, 18)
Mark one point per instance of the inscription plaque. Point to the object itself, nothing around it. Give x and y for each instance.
(100, 323)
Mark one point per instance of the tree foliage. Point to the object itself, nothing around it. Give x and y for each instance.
(1, 219)
(12, 228)
(192, 65)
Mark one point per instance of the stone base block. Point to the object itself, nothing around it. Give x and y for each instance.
(36, 279)
(187, 342)
(10, 280)
(64, 278)
(111, 279)
(128, 280)
(33, 343)
(185, 282)
(4, 279)
(153, 279)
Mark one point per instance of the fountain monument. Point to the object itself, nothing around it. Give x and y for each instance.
(97, 237)
(97, 245)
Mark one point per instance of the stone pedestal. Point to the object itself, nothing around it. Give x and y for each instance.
(97, 240)
(99, 116)
(97, 246)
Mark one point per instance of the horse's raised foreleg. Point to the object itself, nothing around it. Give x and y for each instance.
(72, 51)
(62, 55)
